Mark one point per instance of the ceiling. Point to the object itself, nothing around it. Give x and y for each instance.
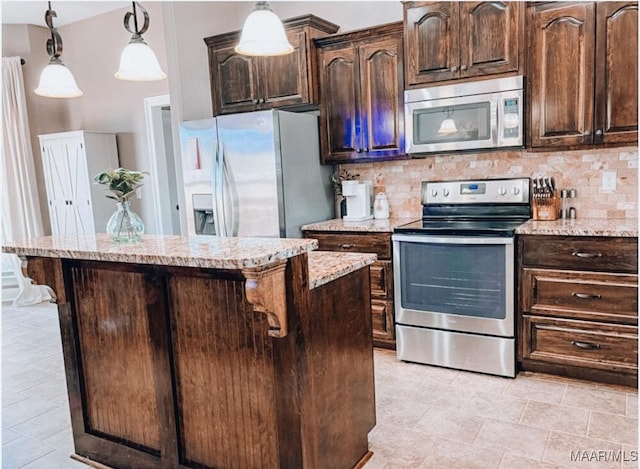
(29, 12)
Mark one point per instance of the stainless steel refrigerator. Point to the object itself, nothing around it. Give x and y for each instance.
(256, 174)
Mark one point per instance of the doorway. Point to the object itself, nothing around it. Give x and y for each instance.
(162, 165)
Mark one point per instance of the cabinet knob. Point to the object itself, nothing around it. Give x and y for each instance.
(599, 133)
(463, 67)
(586, 133)
(454, 69)
(358, 150)
(366, 150)
(347, 246)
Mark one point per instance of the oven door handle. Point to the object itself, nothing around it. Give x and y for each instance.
(427, 239)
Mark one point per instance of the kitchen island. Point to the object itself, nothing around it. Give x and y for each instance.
(212, 352)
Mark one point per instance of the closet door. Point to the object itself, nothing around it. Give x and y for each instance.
(68, 186)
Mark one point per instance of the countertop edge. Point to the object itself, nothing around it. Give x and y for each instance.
(603, 227)
(326, 266)
(199, 252)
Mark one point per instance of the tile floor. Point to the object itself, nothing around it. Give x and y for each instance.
(427, 417)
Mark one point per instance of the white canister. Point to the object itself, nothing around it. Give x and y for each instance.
(381, 206)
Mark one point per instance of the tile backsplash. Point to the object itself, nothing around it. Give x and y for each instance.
(580, 169)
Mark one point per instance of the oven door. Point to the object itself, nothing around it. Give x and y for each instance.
(455, 283)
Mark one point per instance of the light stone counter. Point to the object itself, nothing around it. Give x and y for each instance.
(581, 227)
(325, 266)
(373, 226)
(195, 251)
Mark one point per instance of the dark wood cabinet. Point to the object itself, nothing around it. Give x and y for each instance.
(361, 95)
(240, 83)
(454, 40)
(585, 91)
(578, 307)
(380, 275)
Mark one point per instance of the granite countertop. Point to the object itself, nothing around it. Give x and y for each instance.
(194, 251)
(325, 266)
(373, 226)
(581, 227)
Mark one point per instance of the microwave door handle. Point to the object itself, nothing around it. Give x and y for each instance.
(500, 126)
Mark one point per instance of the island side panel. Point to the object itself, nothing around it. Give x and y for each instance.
(339, 363)
(115, 339)
(225, 377)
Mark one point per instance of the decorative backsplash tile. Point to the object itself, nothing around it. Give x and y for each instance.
(580, 169)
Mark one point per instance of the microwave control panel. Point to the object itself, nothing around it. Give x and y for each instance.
(511, 113)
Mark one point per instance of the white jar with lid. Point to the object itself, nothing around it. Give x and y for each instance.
(381, 206)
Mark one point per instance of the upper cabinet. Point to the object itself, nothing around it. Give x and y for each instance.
(583, 74)
(240, 83)
(361, 95)
(455, 40)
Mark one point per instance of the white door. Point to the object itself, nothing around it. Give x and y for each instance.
(68, 186)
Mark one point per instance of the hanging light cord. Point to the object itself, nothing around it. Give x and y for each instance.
(54, 45)
(127, 18)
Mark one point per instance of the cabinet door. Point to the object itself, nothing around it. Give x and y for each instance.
(381, 88)
(283, 79)
(233, 79)
(617, 72)
(489, 37)
(340, 122)
(561, 75)
(431, 37)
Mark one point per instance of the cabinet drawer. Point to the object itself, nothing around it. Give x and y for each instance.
(606, 254)
(383, 324)
(381, 280)
(594, 296)
(580, 343)
(377, 243)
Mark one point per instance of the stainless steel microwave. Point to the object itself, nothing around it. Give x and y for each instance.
(465, 116)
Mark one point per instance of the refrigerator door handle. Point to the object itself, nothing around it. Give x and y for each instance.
(227, 190)
(219, 193)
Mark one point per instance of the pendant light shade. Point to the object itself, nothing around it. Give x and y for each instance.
(56, 80)
(138, 61)
(263, 34)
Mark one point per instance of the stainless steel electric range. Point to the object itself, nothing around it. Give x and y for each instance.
(454, 275)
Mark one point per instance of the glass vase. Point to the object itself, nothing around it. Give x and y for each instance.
(125, 226)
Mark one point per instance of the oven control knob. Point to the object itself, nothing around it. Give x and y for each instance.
(434, 192)
(445, 192)
(502, 191)
(516, 190)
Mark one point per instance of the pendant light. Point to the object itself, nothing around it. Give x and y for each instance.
(138, 62)
(56, 80)
(263, 34)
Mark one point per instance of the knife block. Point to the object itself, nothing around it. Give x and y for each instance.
(546, 208)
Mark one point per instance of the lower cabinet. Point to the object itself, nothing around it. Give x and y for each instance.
(578, 307)
(381, 275)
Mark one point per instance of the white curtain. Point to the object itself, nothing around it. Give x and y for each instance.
(20, 207)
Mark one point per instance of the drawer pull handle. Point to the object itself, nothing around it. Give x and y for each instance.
(586, 296)
(347, 246)
(585, 345)
(587, 255)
